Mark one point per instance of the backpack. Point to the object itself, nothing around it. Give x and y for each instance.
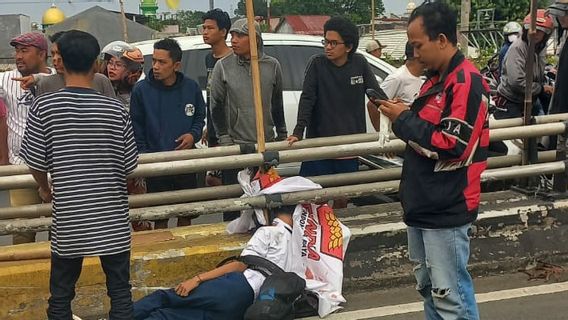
(282, 296)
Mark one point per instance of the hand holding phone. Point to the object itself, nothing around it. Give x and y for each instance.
(375, 95)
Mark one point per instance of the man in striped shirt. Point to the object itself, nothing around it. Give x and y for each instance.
(85, 141)
(31, 58)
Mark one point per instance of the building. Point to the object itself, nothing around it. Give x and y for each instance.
(309, 25)
(52, 16)
(11, 25)
(105, 25)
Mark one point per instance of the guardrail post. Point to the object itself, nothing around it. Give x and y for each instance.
(560, 184)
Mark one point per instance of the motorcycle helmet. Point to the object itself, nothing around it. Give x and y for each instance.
(544, 22)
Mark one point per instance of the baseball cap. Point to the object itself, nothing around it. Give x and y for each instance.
(30, 39)
(374, 45)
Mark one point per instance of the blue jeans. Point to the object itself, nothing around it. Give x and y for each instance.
(441, 272)
(226, 297)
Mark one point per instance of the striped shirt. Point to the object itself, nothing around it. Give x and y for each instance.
(85, 141)
(18, 102)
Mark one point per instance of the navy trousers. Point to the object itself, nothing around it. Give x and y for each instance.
(223, 298)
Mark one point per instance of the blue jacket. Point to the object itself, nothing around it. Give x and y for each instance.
(161, 114)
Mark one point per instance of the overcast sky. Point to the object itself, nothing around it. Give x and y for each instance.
(35, 8)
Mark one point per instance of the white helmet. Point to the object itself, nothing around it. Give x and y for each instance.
(512, 28)
(115, 49)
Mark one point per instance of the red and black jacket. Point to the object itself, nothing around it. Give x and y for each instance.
(447, 135)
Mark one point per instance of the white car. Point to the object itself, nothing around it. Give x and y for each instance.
(293, 52)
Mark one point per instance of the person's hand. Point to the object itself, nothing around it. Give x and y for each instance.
(548, 89)
(292, 139)
(183, 289)
(205, 136)
(185, 141)
(25, 82)
(45, 195)
(392, 109)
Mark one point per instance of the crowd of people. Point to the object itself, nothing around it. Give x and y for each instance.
(81, 124)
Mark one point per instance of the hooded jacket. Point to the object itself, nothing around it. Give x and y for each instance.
(161, 114)
(512, 85)
(232, 102)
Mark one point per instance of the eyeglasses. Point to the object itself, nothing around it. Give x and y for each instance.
(331, 43)
(116, 64)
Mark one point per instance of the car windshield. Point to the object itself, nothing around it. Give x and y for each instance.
(293, 60)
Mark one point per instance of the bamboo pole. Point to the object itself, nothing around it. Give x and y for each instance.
(255, 77)
(124, 27)
(529, 73)
(321, 195)
(373, 19)
(210, 193)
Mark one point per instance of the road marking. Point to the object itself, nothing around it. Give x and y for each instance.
(418, 306)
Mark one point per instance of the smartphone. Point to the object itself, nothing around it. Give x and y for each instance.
(376, 95)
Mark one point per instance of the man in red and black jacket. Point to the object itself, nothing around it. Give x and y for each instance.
(447, 135)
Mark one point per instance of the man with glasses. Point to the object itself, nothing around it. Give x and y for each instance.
(333, 97)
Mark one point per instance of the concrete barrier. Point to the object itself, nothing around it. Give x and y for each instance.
(511, 230)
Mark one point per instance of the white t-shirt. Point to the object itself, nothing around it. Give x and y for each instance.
(271, 243)
(402, 84)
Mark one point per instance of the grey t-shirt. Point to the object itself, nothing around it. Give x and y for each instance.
(55, 82)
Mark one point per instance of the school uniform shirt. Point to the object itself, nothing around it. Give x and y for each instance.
(86, 142)
(271, 243)
(18, 102)
(402, 84)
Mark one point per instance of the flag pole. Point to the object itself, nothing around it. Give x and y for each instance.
(255, 77)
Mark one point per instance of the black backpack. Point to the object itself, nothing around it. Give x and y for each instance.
(282, 296)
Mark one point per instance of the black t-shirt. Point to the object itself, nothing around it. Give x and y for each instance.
(210, 62)
(333, 98)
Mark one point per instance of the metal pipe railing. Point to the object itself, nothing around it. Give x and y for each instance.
(252, 160)
(210, 193)
(168, 156)
(322, 195)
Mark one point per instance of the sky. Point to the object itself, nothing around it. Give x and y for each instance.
(35, 8)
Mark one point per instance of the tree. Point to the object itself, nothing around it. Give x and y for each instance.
(505, 10)
(358, 11)
(189, 19)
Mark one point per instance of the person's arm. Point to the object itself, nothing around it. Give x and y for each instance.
(187, 140)
(183, 289)
(130, 150)
(374, 115)
(277, 106)
(258, 245)
(308, 100)
(34, 152)
(138, 116)
(458, 134)
(218, 105)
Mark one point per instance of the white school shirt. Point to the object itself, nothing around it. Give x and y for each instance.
(271, 243)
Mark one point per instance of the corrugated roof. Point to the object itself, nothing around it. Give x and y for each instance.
(104, 25)
(311, 25)
(395, 40)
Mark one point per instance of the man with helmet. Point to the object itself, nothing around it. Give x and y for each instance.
(512, 31)
(559, 11)
(123, 68)
(511, 88)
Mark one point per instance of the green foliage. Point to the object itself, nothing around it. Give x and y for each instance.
(505, 10)
(189, 19)
(358, 11)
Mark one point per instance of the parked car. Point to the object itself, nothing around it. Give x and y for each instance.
(293, 52)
